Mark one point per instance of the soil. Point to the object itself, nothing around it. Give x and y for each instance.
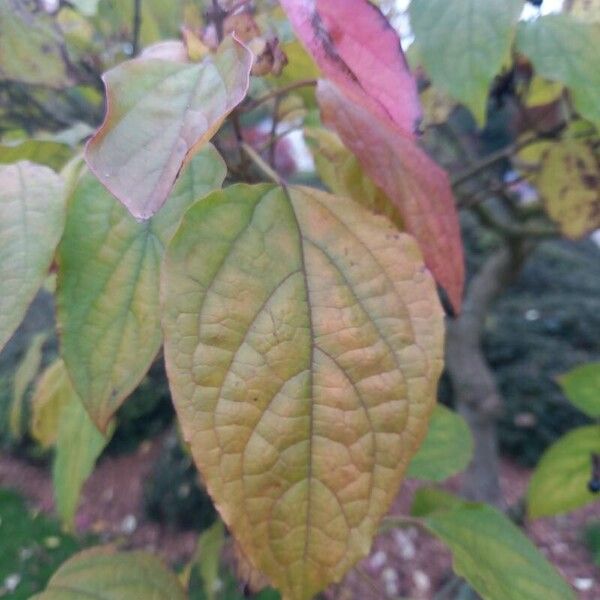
(403, 563)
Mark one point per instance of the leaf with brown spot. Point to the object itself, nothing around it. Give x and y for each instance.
(569, 183)
(303, 343)
(416, 185)
(160, 113)
(357, 49)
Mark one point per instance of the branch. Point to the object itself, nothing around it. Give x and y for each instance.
(137, 26)
(277, 93)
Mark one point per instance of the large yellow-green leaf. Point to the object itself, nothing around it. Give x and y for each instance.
(567, 50)
(582, 388)
(103, 574)
(107, 295)
(78, 446)
(32, 214)
(31, 50)
(464, 44)
(560, 481)
(303, 342)
(341, 172)
(447, 449)
(569, 183)
(491, 553)
(159, 114)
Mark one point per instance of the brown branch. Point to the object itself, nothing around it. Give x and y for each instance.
(137, 27)
(277, 93)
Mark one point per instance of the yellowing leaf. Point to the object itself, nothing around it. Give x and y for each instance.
(569, 183)
(160, 113)
(31, 50)
(103, 574)
(566, 50)
(341, 172)
(464, 44)
(303, 342)
(560, 482)
(107, 294)
(418, 187)
(542, 92)
(24, 375)
(437, 106)
(52, 392)
(31, 223)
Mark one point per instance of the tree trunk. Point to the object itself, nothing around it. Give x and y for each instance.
(476, 394)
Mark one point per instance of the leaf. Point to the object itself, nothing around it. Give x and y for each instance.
(418, 187)
(542, 92)
(582, 387)
(559, 483)
(108, 280)
(78, 446)
(586, 10)
(52, 154)
(494, 556)
(88, 8)
(569, 183)
(303, 343)
(31, 50)
(51, 394)
(566, 50)
(208, 557)
(341, 172)
(356, 48)
(31, 223)
(24, 375)
(103, 574)
(447, 449)
(464, 44)
(428, 500)
(160, 113)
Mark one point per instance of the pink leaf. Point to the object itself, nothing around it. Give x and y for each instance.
(160, 113)
(357, 49)
(418, 187)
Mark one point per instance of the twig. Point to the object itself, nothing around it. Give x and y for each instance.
(273, 133)
(137, 26)
(277, 92)
(258, 160)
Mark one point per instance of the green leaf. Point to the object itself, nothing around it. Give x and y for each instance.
(560, 482)
(303, 341)
(464, 44)
(31, 50)
(447, 449)
(108, 279)
(24, 375)
(160, 113)
(43, 152)
(208, 556)
(564, 49)
(494, 556)
(428, 500)
(582, 387)
(103, 574)
(52, 392)
(32, 214)
(87, 8)
(78, 446)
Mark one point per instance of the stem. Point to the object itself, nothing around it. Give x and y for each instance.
(273, 134)
(218, 16)
(257, 159)
(278, 92)
(137, 26)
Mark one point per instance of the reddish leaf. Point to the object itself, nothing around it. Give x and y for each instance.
(419, 188)
(159, 114)
(357, 49)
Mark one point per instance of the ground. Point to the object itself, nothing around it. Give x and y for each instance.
(403, 563)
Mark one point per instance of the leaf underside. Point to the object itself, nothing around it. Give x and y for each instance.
(303, 342)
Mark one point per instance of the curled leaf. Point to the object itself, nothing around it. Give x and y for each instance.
(303, 342)
(356, 48)
(159, 114)
(418, 187)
